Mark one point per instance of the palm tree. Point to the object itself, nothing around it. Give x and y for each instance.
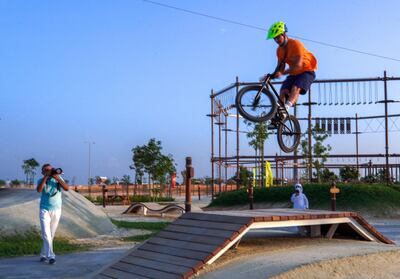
(29, 168)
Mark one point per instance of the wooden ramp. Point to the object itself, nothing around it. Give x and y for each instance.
(197, 239)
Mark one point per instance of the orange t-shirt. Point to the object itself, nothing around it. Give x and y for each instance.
(295, 48)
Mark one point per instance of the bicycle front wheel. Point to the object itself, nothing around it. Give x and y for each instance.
(289, 133)
(254, 110)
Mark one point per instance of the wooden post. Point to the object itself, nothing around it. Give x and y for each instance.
(333, 190)
(189, 175)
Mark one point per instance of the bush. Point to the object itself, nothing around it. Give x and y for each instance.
(327, 175)
(348, 173)
(2, 182)
(375, 197)
(15, 182)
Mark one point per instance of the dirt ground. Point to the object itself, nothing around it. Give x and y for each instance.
(385, 265)
(264, 258)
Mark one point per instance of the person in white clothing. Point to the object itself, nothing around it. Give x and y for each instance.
(50, 186)
(299, 199)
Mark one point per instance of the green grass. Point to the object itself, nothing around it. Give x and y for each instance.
(154, 227)
(376, 198)
(150, 226)
(30, 243)
(138, 238)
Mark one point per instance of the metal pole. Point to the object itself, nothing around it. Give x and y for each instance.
(386, 129)
(219, 153)
(276, 168)
(212, 145)
(295, 169)
(309, 138)
(89, 168)
(237, 140)
(226, 150)
(189, 174)
(358, 167)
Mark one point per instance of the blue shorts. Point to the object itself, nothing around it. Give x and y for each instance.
(303, 81)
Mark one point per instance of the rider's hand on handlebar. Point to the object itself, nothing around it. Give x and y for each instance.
(263, 78)
(277, 75)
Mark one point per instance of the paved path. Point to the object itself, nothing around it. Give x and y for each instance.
(75, 265)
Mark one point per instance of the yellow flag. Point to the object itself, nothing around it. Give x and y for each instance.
(269, 179)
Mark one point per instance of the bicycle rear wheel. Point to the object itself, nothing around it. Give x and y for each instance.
(289, 133)
(260, 111)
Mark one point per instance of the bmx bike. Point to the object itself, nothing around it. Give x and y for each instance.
(258, 104)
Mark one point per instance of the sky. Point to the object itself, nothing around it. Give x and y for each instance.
(118, 73)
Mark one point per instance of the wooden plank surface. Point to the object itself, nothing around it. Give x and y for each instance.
(208, 225)
(116, 273)
(184, 246)
(165, 267)
(163, 258)
(146, 272)
(193, 237)
(99, 276)
(198, 231)
(216, 218)
(185, 253)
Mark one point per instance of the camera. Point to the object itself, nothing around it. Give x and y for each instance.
(55, 171)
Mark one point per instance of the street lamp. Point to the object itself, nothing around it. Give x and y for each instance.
(89, 171)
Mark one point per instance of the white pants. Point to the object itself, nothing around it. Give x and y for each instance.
(48, 223)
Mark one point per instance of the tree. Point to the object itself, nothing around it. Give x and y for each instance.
(318, 149)
(29, 168)
(148, 159)
(245, 176)
(348, 173)
(115, 180)
(15, 182)
(327, 175)
(257, 136)
(2, 182)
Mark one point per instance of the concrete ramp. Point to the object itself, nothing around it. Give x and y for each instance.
(197, 239)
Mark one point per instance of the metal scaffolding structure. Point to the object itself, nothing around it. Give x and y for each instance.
(324, 92)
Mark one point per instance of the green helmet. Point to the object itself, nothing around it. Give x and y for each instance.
(276, 29)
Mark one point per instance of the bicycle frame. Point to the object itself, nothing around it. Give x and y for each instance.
(265, 84)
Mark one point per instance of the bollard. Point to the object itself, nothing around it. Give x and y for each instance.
(251, 196)
(189, 175)
(333, 190)
(104, 192)
(198, 191)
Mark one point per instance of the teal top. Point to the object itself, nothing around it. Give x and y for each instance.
(51, 195)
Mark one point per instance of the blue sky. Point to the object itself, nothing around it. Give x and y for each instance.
(121, 72)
